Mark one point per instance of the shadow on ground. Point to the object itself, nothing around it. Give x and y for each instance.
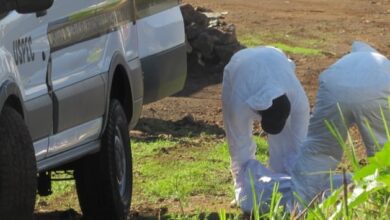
(199, 77)
(151, 128)
(73, 215)
(58, 215)
(202, 216)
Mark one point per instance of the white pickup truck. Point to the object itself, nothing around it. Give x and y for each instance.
(74, 75)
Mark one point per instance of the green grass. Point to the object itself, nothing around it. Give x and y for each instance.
(64, 194)
(60, 188)
(255, 40)
(180, 173)
(296, 50)
(170, 168)
(262, 149)
(250, 40)
(145, 148)
(188, 169)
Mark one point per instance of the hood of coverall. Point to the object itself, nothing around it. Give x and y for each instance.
(260, 89)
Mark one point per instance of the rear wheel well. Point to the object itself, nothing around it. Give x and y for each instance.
(120, 90)
(15, 103)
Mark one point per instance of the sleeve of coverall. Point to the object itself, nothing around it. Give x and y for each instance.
(238, 122)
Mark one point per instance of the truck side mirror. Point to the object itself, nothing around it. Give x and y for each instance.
(29, 6)
(25, 6)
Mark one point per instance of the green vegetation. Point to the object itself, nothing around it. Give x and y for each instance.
(64, 193)
(251, 40)
(178, 169)
(61, 187)
(150, 148)
(369, 198)
(254, 40)
(169, 169)
(194, 167)
(296, 50)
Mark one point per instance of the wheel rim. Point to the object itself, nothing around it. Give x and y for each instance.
(120, 160)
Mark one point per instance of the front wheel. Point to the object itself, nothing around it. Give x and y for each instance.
(104, 180)
(18, 171)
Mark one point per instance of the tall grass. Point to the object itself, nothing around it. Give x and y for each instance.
(371, 182)
(369, 197)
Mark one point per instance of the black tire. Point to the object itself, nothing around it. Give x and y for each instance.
(18, 171)
(98, 177)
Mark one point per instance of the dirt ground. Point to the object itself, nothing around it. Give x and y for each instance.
(333, 23)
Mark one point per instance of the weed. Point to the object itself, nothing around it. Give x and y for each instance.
(255, 40)
(296, 50)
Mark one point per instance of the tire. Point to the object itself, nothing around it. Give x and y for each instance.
(18, 168)
(104, 180)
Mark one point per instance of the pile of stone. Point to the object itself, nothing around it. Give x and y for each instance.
(209, 38)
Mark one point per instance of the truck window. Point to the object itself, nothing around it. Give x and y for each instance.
(146, 8)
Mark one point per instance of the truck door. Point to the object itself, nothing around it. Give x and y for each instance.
(161, 46)
(78, 86)
(24, 38)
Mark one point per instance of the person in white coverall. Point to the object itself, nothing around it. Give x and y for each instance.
(358, 85)
(260, 84)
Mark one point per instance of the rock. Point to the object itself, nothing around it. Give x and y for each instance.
(202, 9)
(222, 37)
(193, 30)
(229, 28)
(201, 20)
(200, 59)
(210, 40)
(187, 10)
(213, 23)
(214, 18)
(225, 52)
(204, 44)
(191, 16)
(214, 15)
(188, 46)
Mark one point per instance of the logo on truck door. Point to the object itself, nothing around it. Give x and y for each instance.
(22, 50)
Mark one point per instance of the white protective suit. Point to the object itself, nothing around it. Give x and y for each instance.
(360, 83)
(252, 80)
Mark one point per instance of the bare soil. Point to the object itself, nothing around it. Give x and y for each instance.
(334, 23)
